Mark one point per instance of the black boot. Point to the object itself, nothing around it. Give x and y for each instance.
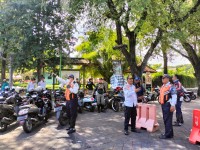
(102, 108)
(98, 107)
(181, 119)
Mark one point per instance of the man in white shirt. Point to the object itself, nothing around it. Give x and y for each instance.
(130, 105)
(31, 85)
(42, 83)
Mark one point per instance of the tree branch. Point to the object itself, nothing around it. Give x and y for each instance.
(191, 11)
(113, 11)
(140, 22)
(151, 49)
(176, 50)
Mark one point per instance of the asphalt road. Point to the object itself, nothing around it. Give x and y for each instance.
(96, 131)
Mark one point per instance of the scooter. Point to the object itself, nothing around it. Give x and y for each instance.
(89, 103)
(9, 110)
(60, 108)
(37, 111)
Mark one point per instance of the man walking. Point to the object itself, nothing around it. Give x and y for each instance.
(180, 93)
(71, 101)
(130, 105)
(167, 100)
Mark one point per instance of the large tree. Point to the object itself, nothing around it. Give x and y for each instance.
(186, 35)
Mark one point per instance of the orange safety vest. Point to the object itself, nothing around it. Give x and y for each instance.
(67, 93)
(164, 94)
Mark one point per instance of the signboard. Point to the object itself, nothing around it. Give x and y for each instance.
(117, 67)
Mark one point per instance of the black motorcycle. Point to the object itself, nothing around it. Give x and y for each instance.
(9, 110)
(37, 111)
(117, 99)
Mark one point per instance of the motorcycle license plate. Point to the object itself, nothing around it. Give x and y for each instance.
(21, 118)
(58, 109)
(94, 104)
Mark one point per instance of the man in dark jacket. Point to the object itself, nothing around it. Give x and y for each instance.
(100, 90)
(140, 93)
(90, 86)
(180, 93)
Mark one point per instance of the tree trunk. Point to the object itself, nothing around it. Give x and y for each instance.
(39, 69)
(11, 70)
(3, 67)
(197, 75)
(165, 60)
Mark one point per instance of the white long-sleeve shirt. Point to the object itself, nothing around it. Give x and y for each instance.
(31, 86)
(42, 84)
(130, 95)
(73, 89)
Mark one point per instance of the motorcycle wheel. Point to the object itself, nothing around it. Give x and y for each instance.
(115, 105)
(187, 99)
(3, 127)
(63, 120)
(193, 97)
(28, 126)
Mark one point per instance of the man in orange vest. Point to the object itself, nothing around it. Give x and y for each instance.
(167, 99)
(71, 100)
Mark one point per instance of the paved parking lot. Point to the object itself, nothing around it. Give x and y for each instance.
(102, 131)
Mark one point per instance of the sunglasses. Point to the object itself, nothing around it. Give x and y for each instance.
(130, 78)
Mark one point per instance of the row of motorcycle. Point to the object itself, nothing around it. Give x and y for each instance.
(29, 110)
(188, 96)
(36, 106)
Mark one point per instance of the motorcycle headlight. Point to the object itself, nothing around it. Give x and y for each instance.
(23, 111)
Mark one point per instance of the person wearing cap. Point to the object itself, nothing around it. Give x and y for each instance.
(179, 116)
(130, 104)
(90, 86)
(71, 100)
(100, 90)
(140, 93)
(42, 83)
(167, 99)
(4, 85)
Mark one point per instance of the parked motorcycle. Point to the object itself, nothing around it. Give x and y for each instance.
(189, 93)
(9, 110)
(89, 103)
(117, 99)
(34, 113)
(60, 107)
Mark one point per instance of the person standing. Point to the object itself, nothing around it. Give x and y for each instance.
(105, 84)
(180, 93)
(140, 93)
(167, 99)
(4, 85)
(90, 86)
(31, 85)
(130, 105)
(100, 90)
(71, 101)
(42, 83)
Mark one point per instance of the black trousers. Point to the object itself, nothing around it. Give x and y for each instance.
(130, 113)
(167, 118)
(179, 115)
(72, 111)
